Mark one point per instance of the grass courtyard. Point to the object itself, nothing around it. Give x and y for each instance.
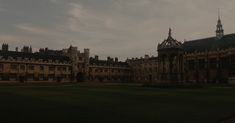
(115, 104)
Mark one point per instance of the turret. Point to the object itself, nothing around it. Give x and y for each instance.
(4, 47)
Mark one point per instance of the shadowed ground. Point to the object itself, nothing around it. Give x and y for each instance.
(115, 104)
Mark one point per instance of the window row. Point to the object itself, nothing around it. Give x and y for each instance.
(33, 67)
(33, 77)
(106, 70)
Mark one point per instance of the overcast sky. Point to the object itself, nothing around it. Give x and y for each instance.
(116, 28)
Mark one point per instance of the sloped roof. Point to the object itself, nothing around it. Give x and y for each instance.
(169, 43)
(107, 63)
(209, 43)
(37, 55)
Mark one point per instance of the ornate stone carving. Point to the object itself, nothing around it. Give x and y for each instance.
(170, 42)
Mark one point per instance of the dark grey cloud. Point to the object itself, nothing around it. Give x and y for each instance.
(123, 28)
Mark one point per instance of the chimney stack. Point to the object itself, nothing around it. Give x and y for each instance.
(116, 59)
(96, 57)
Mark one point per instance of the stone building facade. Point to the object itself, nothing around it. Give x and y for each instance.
(45, 65)
(208, 60)
(144, 69)
(170, 60)
(79, 62)
(110, 70)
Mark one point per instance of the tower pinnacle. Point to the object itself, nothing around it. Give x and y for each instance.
(169, 34)
(219, 27)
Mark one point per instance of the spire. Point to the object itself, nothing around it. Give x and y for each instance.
(169, 34)
(219, 27)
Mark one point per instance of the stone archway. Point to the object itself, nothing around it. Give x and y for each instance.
(80, 77)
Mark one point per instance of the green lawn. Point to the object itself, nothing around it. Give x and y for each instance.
(115, 104)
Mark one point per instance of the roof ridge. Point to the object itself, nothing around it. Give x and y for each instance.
(209, 37)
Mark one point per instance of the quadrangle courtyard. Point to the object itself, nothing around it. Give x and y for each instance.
(115, 104)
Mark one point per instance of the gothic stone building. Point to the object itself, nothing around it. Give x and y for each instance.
(170, 60)
(110, 70)
(46, 65)
(144, 69)
(208, 60)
